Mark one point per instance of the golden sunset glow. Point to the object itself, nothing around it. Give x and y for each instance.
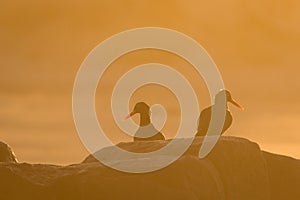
(255, 44)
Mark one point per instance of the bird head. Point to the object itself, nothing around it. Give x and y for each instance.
(141, 108)
(228, 97)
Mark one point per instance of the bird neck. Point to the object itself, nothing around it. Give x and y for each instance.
(144, 119)
(219, 102)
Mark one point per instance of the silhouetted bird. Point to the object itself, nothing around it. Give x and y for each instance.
(205, 115)
(146, 131)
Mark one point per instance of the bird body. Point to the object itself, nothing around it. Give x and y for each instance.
(204, 121)
(205, 115)
(146, 131)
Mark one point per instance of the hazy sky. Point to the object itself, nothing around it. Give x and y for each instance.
(256, 45)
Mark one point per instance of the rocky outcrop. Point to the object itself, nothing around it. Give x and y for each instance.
(235, 169)
(284, 176)
(6, 154)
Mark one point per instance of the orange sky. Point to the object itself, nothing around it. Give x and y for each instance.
(256, 45)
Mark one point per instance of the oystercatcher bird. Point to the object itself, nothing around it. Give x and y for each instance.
(205, 115)
(146, 131)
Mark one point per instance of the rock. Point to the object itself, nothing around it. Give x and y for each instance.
(284, 176)
(235, 169)
(6, 154)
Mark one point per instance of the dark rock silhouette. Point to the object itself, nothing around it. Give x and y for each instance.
(284, 176)
(235, 169)
(6, 154)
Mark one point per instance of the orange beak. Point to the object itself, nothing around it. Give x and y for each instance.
(129, 115)
(237, 104)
